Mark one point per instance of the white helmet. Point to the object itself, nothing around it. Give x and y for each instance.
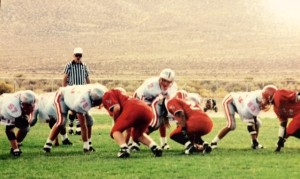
(78, 50)
(167, 74)
(195, 97)
(27, 97)
(96, 94)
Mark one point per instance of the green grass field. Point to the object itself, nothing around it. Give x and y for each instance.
(233, 159)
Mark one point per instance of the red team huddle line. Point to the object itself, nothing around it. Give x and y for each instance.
(155, 103)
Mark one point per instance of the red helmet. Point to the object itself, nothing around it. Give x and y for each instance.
(268, 93)
(181, 94)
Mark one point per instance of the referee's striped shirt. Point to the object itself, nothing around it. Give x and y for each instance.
(77, 73)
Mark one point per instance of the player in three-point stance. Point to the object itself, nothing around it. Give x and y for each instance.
(129, 113)
(81, 99)
(192, 123)
(45, 111)
(285, 105)
(248, 105)
(15, 110)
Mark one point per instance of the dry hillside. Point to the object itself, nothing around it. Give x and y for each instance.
(203, 39)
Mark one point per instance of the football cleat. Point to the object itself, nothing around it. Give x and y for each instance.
(123, 152)
(15, 153)
(189, 149)
(67, 142)
(165, 146)
(71, 131)
(92, 149)
(78, 133)
(86, 150)
(47, 147)
(206, 148)
(213, 145)
(257, 146)
(134, 147)
(156, 151)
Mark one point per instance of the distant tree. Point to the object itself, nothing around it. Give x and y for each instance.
(5, 88)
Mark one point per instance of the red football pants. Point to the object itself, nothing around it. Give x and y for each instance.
(197, 126)
(135, 114)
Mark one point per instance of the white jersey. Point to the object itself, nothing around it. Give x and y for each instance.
(247, 103)
(150, 89)
(10, 108)
(77, 97)
(46, 107)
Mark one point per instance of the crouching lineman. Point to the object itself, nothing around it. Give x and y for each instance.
(129, 113)
(247, 105)
(45, 110)
(81, 99)
(286, 105)
(14, 111)
(151, 88)
(192, 123)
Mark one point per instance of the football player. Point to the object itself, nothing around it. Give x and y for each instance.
(45, 110)
(248, 105)
(165, 86)
(79, 98)
(129, 113)
(286, 105)
(14, 111)
(192, 123)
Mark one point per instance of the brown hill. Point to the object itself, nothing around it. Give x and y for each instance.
(203, 39)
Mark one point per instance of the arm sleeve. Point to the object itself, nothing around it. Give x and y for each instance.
(67, 69)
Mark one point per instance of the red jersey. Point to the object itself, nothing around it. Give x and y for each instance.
(188, 107)
(286, 104)
(113, 97)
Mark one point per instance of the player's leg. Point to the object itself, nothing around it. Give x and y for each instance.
(61, 111)
(121, 125)
(181, 137)
(15, 151)
(84, 131)
(90, 123)
(199, 126)
(24, 127)
(293, 128)
(229, 109)
(141, 123)
(72, 117)
(253, 129)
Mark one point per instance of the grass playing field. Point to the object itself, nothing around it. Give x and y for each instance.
(233, 159)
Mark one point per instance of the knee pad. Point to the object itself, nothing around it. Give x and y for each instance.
(251, 128)
(10, 134)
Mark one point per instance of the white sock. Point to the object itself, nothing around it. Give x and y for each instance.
(90, 142)
(187, 143)
(216, 140)
(123, 145)
(86, 145)
(152, 144)
(49, 141)
(163, 140)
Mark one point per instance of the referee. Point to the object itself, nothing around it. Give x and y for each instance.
(76, 73)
